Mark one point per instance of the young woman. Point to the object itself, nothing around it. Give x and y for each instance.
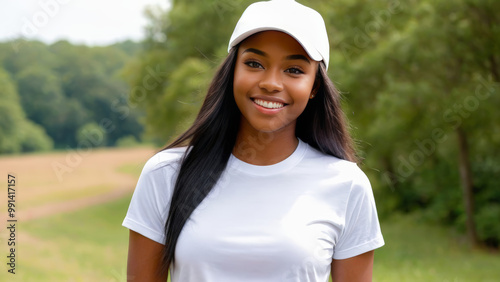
(263, 186)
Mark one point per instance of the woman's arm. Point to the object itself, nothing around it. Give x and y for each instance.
(355, 269)
(144, 259)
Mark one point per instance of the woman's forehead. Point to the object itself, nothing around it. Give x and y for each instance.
(273, 41)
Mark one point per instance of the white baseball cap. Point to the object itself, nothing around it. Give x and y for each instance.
(301, 22)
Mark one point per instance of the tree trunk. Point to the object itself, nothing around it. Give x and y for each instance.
(467, 185)
(494, 68)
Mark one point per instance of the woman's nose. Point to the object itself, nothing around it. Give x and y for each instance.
(271, 81)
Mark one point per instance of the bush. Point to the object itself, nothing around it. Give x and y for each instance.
(91, 135)
(34, 138)
(488, 228)
(127, 141)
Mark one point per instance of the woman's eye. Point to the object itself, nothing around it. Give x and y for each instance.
(254, 64)
(294, 71)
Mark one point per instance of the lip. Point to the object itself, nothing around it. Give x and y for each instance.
(269, 99)
(268, 111)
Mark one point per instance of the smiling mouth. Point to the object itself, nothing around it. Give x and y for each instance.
(268, 104)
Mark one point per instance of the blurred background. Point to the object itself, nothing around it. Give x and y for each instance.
(90, 90)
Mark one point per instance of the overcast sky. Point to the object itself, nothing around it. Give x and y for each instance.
(91, 22)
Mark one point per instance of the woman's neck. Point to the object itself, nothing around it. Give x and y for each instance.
(265, 148)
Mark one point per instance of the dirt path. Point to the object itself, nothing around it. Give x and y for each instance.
(66, 181)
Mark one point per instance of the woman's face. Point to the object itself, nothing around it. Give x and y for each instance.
(273, 81)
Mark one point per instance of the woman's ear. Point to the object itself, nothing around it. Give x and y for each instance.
(315, 88)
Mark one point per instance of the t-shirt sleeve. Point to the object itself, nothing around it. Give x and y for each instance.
(361, 231)
(149, 205)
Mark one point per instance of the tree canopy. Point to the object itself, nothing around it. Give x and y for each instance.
(17, 132)
(62, 89)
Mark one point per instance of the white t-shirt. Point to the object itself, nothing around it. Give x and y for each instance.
(283, 222)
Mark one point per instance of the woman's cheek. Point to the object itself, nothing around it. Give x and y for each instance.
(301, 91)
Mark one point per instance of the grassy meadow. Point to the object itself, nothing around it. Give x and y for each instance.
(90, 244)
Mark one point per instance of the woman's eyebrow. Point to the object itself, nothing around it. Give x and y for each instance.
(298, 57)
(256, 51)
(289, 57)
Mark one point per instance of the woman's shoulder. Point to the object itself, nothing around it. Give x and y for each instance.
(164, 159)
(326, 160)
(335, 166)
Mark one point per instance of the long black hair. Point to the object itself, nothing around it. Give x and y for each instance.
(212, 137)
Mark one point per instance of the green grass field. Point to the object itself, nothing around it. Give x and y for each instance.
(416, 251)
(87, 245)
(91, 245)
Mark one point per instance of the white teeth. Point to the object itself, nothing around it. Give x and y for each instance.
(269, 105)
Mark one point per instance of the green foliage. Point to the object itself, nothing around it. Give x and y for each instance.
(487, 224)
(63, 87)
(17, 133)
(184, 95)
(33, 138)
(91, 135)
(42, 99)
(127, 141)
(487, 196)
(427, 82)
(130, 47)
(40, 91)
(30, 53)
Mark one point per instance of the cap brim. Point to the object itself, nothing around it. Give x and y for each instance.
(311, 51)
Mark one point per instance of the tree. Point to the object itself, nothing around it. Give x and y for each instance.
(42, 98)
(17, 134)
(429, 84)
(31, 53)
(91, 79)
(63, 87)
